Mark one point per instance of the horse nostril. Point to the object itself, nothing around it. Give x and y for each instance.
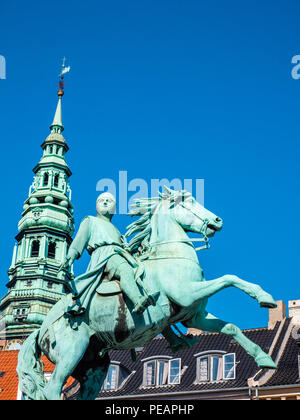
(218, 219)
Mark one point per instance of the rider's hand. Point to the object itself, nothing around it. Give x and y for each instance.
(67, 264)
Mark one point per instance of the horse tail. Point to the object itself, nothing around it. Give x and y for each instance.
(30, 369)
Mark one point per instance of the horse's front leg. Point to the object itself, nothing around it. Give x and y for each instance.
(207, 322)
(203, 290)
(70, 348)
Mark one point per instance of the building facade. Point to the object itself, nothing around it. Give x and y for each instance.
(45, 233)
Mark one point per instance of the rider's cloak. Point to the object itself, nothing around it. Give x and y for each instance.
(102, 240)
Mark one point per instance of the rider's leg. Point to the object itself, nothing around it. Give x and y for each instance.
(207, 322)
(206, 289)
(130, 288)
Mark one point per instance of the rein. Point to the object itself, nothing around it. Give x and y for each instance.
(186, 241)
(168, 257)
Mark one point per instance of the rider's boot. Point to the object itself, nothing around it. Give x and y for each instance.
(142, 304)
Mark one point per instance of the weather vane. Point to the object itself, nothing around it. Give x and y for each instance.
(61, 84)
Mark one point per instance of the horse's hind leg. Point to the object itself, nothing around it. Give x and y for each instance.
(207, 322)
(91, 372)
(68, 352)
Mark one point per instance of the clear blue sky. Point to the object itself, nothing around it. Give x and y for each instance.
(186, 89)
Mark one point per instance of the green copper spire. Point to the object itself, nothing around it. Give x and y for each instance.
(45, 234)
(57, 126)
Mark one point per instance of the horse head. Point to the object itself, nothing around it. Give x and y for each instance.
(191, 215)
(176, 207)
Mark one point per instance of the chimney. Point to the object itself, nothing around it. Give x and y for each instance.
(294, 311)
(277, 314)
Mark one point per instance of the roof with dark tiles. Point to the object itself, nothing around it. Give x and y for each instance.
(246, 367)
(286, 374)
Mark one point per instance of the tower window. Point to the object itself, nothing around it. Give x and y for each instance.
(52, 250)
(51, 150)
(56, 178)
(46, 179)
(35, 249)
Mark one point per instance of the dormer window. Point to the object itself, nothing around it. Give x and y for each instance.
(216, 366)
(161, 371)
(116, 377)
(111, 378)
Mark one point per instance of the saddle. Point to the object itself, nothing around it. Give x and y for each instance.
(109, 288)
(112, 287)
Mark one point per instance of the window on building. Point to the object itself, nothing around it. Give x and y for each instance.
(229, 366)
(116, 377)
(215, 367)
(56, 179)
(51, 150)
(174, 371)
(52, 250)
(162, 372)
(45, 179)
(35, 249)
(111, 378)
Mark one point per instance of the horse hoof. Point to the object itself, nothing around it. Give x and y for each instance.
(265, 362)
(270, 305)
(266, 301)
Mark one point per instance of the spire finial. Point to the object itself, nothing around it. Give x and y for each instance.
(57, 123)
(61, 84)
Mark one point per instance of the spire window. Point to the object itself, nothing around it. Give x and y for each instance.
(35, 249)
(56, 179)
(46, 179)
(52, 250)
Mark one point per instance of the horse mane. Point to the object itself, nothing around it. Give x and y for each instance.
(145, 207)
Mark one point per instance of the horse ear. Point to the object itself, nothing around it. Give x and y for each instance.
(168, 190)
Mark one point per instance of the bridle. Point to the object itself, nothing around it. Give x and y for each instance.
(189, 241)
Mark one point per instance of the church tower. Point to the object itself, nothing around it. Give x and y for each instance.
(45, 233)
